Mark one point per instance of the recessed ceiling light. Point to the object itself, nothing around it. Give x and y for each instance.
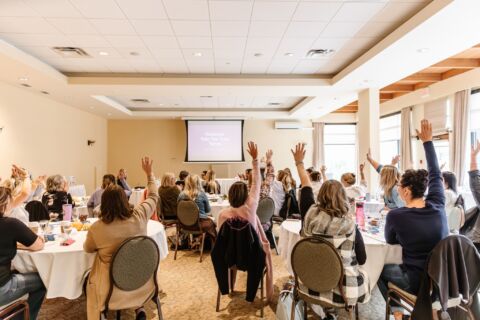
(227, 63)
(258, 54)
(23, 79)
(103, 53)
(45, 92)
(161, 104)
(26, 85)
(134, 53)
(197, 54)
(206, 96)
(288, 54)
(176, 104)
(423, 50)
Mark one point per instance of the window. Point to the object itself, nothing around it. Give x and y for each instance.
(340, 149)
(442, 148)
(475, 115)
(389, 137)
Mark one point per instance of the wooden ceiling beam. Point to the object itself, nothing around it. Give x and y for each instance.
(456, 63)
(385, 96)
(398, 88)
(453, 73)
(423, 77)
(422, 85)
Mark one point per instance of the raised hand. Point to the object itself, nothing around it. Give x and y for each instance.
(19, 171)
(362, 166)
(395, 160)
(252, 150)
(426, 133)
(269, 155)
(323, 168)
(147, 165)
(475, 149)
(299, 153)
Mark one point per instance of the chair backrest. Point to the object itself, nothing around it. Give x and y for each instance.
(36, 211)
(266, 209)
(317, 264)
(188, 213)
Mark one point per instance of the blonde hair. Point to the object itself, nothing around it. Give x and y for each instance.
(168, 179)
(5, 198)
(211, 182)
(389, 178)
(332, 199)
(56, 183)
(193, 186)
(349, 178)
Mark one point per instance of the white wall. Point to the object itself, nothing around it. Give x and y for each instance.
(48, 137)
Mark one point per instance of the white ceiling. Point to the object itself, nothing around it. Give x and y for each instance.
(167, 34)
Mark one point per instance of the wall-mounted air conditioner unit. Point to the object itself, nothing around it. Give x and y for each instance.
(288, 125)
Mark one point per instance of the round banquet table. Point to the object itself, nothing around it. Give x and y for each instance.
(379, 253)
(64, 268)
(136, 197)
(217, 207)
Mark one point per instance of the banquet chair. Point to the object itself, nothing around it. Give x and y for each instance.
(167, 223)
(318, 267)
(408, 300)
(15, 308)
(134, 263)
(36, 211)
(188, 216)
(265, 211)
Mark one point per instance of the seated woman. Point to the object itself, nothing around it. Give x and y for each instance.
(117, 222)
(20, 191)
(454, 203)
(243, 204)
(15, 285)
(210, 184)
(122, 181)
(389, 179)
(96, 197)
(349, 181)
(168, 193)
(194, 191)
(327, 217)
(418, 226)
(57, 195)
(472, 222)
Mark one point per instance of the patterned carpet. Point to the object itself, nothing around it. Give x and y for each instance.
(189, 293)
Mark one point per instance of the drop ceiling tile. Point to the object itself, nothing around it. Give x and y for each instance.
(306, 29)
(226, 101)
(72, 26)
(167, 54)
(161, 42)
(145, 66)
(95, 52)
(228, 67)
(244, 101)
(398, 12)
(142, 9)
(376, 29)
(228, 54)
(53, 8)
(43, 40)
(330, 43)
(266, 46)
(204, 67)
(195, 42)
(172, 66)
(190, 55)
(187, 9)
(358, 11)
(135, 53)
(256, 66)
(15, 8)
(308, 66)
(282, 65)
(113, 26)
(316, 11)
(26, 25)
(229, 43)
(191, 28)
(270, 10)
(230, 28)
(267, 28)
(94, 9)
(209, 102)
(119, 66)
(88, 40)
(191, 102)
(124, 41)
(342, 29)
(152, 27)
(230, 10)
(297, 46)
(41, 52)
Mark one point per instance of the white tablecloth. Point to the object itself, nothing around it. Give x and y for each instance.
(378, 252)
(63, 268)
(136, 197)
(225, 184)
(218, 206)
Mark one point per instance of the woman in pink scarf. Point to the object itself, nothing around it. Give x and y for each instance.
(244, 206)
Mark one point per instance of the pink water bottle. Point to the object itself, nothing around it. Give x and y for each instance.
(67, 212)
(360, 215)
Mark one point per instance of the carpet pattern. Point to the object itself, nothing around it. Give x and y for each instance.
(190, 290)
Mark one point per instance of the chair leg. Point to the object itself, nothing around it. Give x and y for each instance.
(201, 247)
(357, 317)
(305, 310)
(218, 301)
(275, 243)
(292, 313)
(176, 244)
(119, 315)
(387, 308)
(261, 297)
(159, 308)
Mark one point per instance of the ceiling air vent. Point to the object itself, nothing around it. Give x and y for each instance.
(318, 53)
(140, 100)
(274, 104)
(71, 52)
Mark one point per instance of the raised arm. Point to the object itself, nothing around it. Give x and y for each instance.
(475, 173)
(436, 193)
(254, 194)
(148, 206)
(363, 181)
(323, 171)
(395, 160)
(269, 175)
(372, 161)
(26, 186)
(298, 156)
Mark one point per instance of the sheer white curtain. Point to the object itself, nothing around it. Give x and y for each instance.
(458, 150)
(318, 145)
(406, 159)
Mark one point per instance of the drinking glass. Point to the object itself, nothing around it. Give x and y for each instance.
(43, 225)
(53, 216)
(67, 228)
(75, 214)
(83, 216)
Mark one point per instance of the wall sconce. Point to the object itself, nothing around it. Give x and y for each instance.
(90, 143)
